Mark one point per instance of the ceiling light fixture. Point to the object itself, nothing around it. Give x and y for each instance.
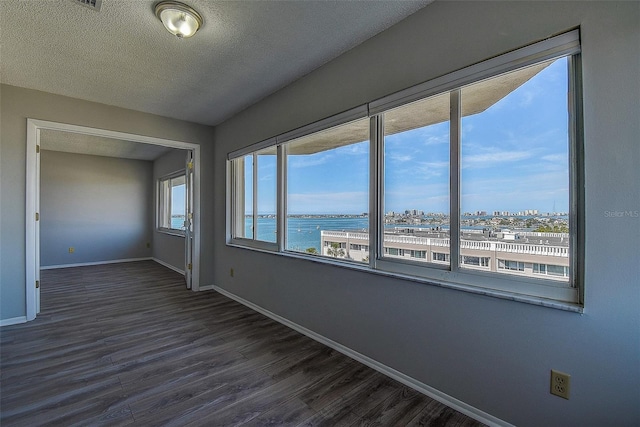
(179, 19)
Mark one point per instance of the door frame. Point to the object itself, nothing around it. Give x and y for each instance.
(32, 243)
(189, 214)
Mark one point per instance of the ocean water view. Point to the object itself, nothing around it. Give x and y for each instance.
(177, 222)
(304, 232)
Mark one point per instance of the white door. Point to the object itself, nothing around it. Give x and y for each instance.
(37, 229)
(188, 220)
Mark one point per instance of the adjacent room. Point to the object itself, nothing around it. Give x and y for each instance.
(99, 201)
(319, 213)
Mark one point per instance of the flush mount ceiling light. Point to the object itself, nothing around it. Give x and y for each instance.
(179, 19)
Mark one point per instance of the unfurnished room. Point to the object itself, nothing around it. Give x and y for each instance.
(300, 213)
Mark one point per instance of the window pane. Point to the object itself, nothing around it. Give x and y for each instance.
(265, 229)
(171, 203)
(178, 202)
(328, 192)
(514, 169)
(164, 205)
(247, 228)
(416, 180)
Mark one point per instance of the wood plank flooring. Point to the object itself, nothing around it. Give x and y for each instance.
(126, 344)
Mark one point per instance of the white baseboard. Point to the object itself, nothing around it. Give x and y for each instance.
(169, 266)
(207, 288)
(13, 321)
(84, 264)
(425, 389)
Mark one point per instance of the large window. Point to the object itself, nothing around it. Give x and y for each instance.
(172, 203)
(416, 174)
(515, 162)
(328, 191)
(255, 196)
(471, 179)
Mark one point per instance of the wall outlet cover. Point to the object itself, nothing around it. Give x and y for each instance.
(560, 384)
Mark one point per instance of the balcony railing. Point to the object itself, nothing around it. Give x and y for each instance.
(517, 248)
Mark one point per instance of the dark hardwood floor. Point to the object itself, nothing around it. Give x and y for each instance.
(126, 344)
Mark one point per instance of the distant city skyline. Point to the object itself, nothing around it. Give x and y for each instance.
(514, 157)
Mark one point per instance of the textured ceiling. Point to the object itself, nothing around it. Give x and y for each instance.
(123, 56)
(70, 142)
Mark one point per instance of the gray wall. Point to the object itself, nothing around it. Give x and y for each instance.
(166, 247)
(493, 354)
(490, 353)
(100, 206)
(16, 105)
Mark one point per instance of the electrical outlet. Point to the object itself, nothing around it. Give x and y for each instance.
(560, 384)
(72, 250)
(231, 272)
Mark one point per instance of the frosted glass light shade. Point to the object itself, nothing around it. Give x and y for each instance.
(179, 19)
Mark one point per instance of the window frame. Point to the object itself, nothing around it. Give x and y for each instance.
(162, 209)
(343, 119)
(498, 282)
(237, 170)
(537, 290)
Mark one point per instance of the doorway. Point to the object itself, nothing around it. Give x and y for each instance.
(35, 129)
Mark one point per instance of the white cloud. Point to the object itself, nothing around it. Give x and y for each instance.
(354, 149)
(436, 140)
(493, 157)
(428, 170)
(560, 157)
(308, 161)
(466, 128)
(400, 157)
(435, 165)
(526, 98)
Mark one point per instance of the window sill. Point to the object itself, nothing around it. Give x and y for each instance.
(510, 296)
(170, 232)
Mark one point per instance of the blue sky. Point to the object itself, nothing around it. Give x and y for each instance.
(177, 196)
(514, 157)
(333, 181)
